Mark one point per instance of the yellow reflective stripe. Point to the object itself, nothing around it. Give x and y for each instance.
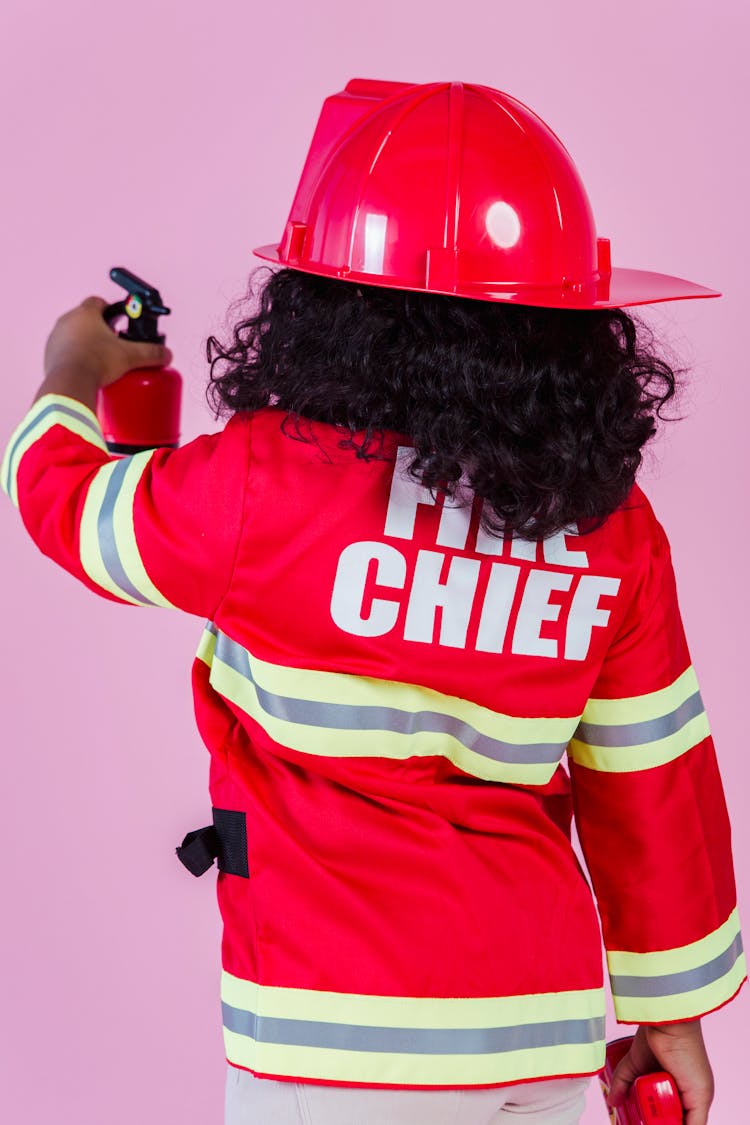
(411, 1040)
(676, 960)
(367, 691)
(90, 550)
(108, 548)
(206, 647)
(639, 732)
(127, 545)
(642, 708)
(646, 755)
(368, 1067)
(409, 1011)
(48, 411)
(682, 1005)
(679, 983)
(329, 742)
(334, 715)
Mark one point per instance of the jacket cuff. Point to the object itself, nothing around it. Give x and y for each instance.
(684, 983)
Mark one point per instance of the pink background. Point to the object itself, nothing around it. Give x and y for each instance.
(167, 136)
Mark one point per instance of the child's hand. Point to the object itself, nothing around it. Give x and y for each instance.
(82, 342)
(677, 1048)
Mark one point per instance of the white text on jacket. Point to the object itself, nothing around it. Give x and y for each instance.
(491, 606)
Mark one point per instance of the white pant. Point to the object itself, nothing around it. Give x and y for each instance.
(264, 1101)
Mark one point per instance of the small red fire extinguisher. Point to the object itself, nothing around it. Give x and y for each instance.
(653, 1099)
(142, 409)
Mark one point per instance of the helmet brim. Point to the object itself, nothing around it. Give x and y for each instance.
(642, 287)
(623, 288)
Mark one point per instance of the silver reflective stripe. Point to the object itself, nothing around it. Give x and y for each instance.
(53, 408)
(106, 533)
(341, 716)
(637, 734)
(672, 984)
(411, 1040)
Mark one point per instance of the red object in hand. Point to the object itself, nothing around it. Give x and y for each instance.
(142, 409)
(653, 1099)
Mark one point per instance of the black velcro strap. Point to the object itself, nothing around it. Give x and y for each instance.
(231, 828)
(225, 840)
(199, 849)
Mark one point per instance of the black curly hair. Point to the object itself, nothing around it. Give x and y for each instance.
(544, 412)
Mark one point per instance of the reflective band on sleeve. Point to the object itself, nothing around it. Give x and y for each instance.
(687, 981)
(680, 983)
(415, 1041)
(48, 411)
(641, 708)
(636, 734)
(301, 709)
(108, 547)
(622, 735)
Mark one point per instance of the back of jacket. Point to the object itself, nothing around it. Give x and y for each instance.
(387, 693)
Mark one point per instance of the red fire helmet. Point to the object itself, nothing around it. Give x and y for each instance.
(453, 188)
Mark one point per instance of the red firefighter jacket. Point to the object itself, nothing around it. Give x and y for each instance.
(387, 694)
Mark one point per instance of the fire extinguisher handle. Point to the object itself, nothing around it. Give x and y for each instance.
(143, 307)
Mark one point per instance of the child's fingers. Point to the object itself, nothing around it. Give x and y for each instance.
(639, 1060)
(624, 1074)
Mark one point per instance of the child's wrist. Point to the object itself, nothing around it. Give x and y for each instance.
(681, 1029)
(81, 383)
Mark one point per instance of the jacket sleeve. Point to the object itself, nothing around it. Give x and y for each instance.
(156, 528)
(652, 820)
